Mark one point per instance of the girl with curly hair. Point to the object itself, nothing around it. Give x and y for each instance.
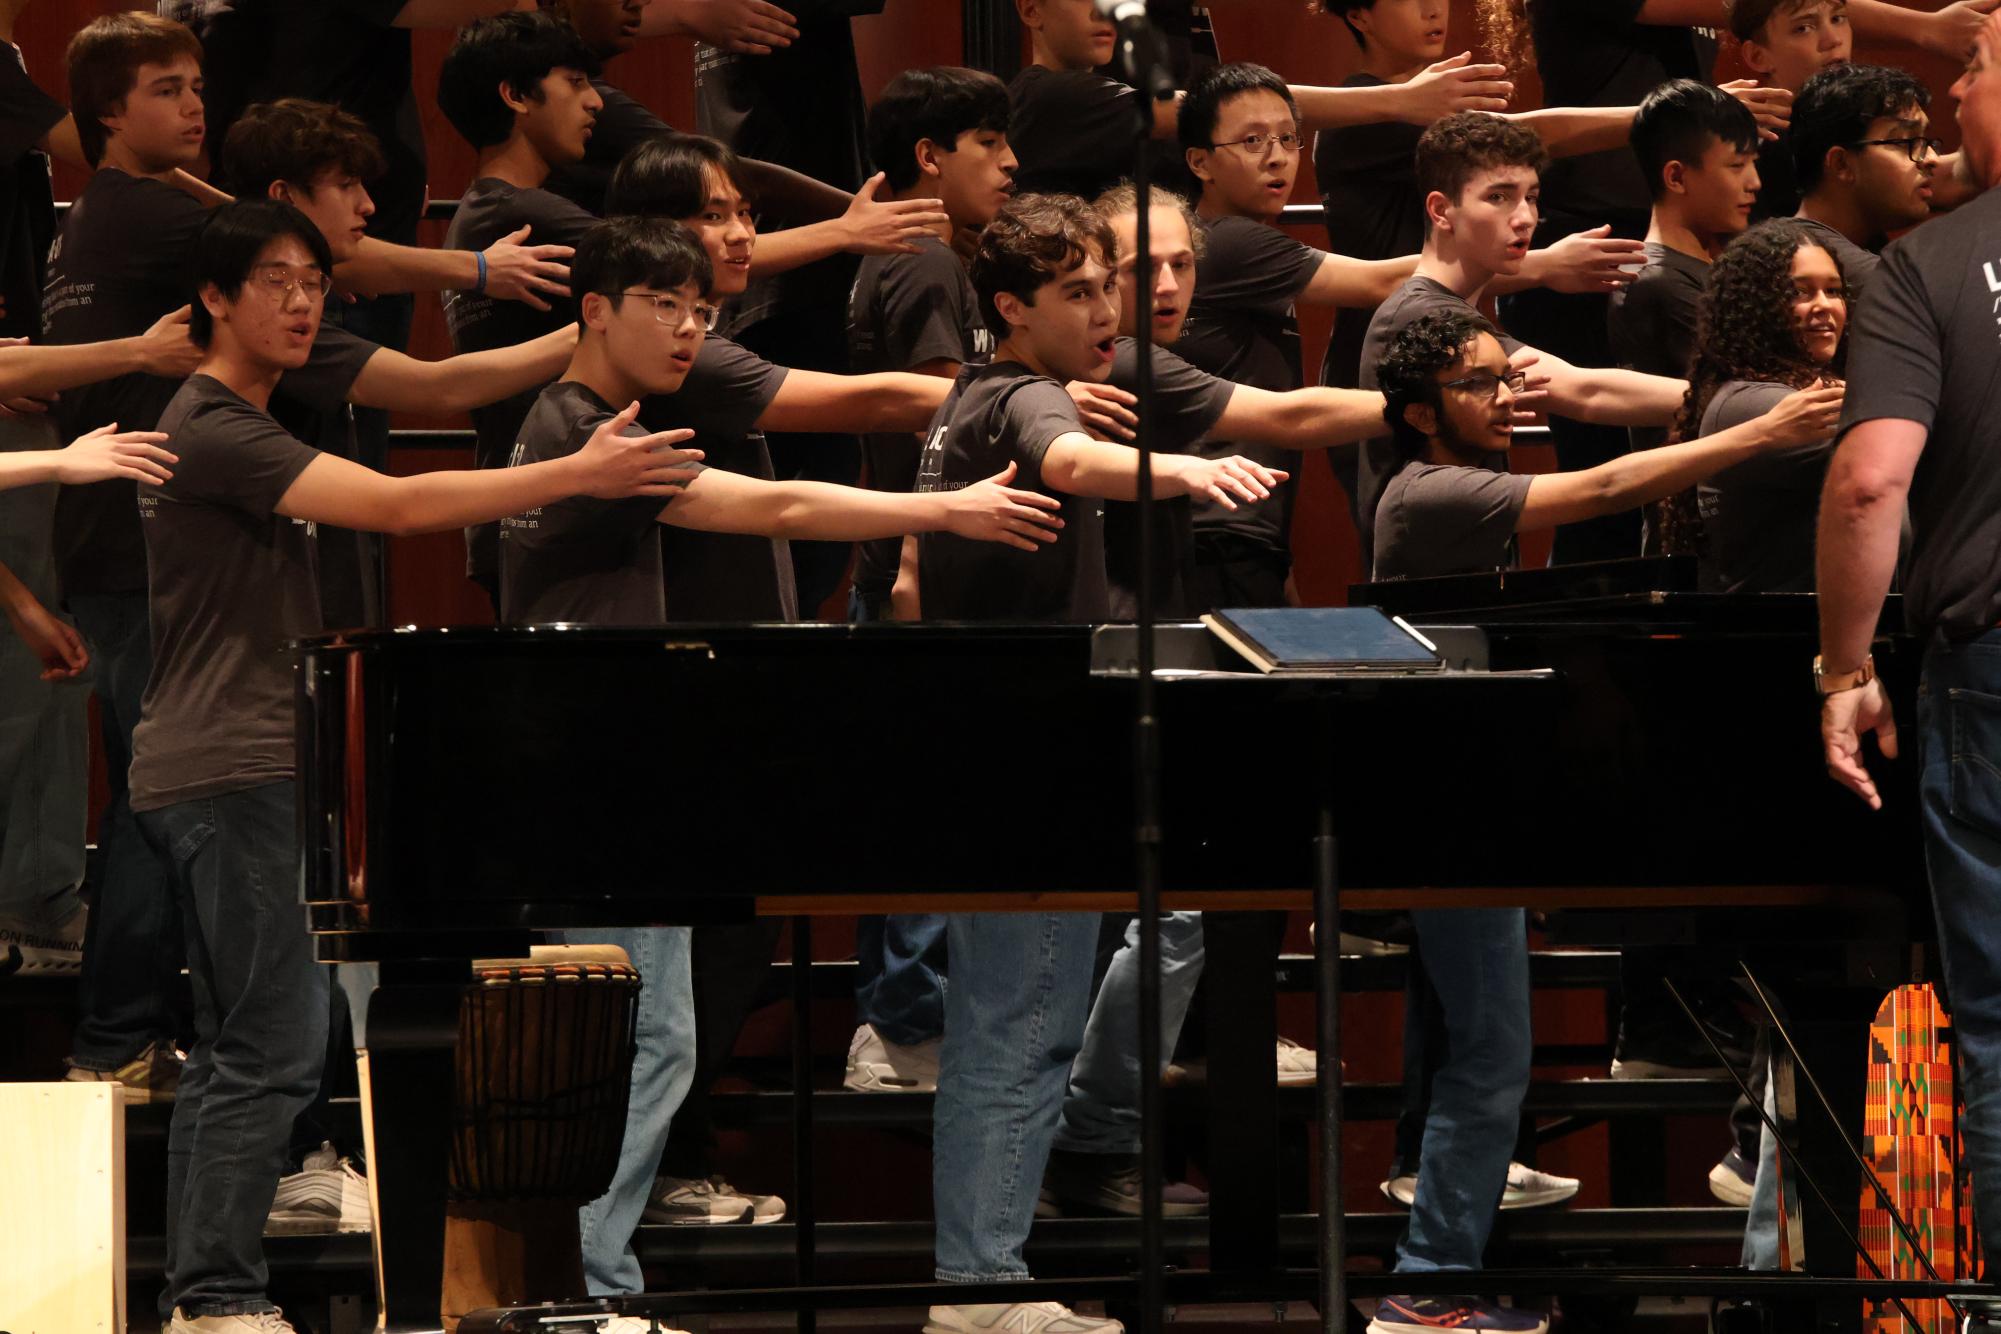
(1771, 321)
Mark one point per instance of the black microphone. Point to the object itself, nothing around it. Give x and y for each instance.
(1142, 56)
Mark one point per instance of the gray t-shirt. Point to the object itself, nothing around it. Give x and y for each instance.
(580, 559)
(1857, 264)
(1439, 518)
(1925, 351)
(1651, 323)
(1759, 514)
(1186, 406)
(725, 576)
(1242, 327)
(1418, 297)
(233, 584)
(998, 414)
(481, 322)
(904, 311)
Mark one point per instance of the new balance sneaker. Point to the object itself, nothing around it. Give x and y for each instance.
(151, 1076)
(877, 1065)
(1425, 1315)
(636, 1324)
(260, 1322)
(706, 1201)
(1732, 1179)
(27, 950)
(1108, 1183)
(1297, 1065)
(1526, 1188)
(1017, 1318)
(327, 1194)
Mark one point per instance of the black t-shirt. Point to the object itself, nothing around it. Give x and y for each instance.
(1187, 403)
(799, 107)
(1778, 180)
(1924, 352)
(725, 576)
(233, 585)
(347, 52)
(623, 123)
(1241, 328)
(1651, 323)
(1075, 132)
(998, 414)
(904, 311)
(581, 559)
(1368, 186)
(481, 322)
(1418, 297)
(1759, 515)
(1858, 265)
(27, 207)
(120, 263)
(1438, 519)
(1595, 53)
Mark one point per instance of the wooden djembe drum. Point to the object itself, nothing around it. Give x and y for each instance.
(544, 1070)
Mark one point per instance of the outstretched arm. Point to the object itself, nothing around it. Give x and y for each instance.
(1312, 418)
(992, 511)
(1359, 283)
(470, 380)
(859, 404)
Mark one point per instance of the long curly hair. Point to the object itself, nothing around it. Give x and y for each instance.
(1744, 331)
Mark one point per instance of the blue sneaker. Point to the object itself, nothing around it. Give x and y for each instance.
(1428, 1315)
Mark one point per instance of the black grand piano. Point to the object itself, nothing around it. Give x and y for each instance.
(463, 789)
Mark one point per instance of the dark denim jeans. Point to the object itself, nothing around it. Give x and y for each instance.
(1959, 785)
(260, 1038)
(1470, 1017)
(900, 986)
(132, 953)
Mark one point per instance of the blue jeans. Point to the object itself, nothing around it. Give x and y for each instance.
(44, 757)
(1014, 1018)
(1473, 1002)
(1959, 789)
(260, 1038)
(900, 987)
(132, 947)
(1761, 1224)
(1101, 1115)
(661, 1071)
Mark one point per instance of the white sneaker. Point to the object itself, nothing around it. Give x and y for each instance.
(264, 1322)
(42, 951)
(877, 1065)
(683, 1202)
(636, 1324)
(1297, 1065)
(328, 1194)
(1526, 1188)
(1017, 1318)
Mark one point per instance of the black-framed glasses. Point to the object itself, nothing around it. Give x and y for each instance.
(1261, 145)
(277, 282)
(672, 311)
(1916, 145)
(1486, 384)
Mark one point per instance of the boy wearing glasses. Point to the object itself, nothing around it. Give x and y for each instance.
(1451, 507)
(643, 285)
(230, 546)
(1867, 162)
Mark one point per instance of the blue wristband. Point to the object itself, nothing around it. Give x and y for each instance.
(479, 284)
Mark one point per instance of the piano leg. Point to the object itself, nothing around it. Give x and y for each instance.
(412, 1038)
(1243, 1095)
(1333, 1239)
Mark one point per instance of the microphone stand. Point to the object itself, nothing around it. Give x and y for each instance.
(1142, 60)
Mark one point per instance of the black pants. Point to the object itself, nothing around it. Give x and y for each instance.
(1230, 572)
(728, 965)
